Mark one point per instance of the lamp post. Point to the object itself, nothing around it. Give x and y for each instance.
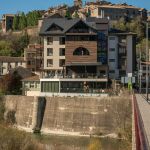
(147, 59)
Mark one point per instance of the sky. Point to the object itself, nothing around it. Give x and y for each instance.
(14, 6)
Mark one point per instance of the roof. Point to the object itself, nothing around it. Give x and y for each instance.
(114, 31)
(64, 23)
(11, 59)
(32, 78)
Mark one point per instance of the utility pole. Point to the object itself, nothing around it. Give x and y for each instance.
(147, 59)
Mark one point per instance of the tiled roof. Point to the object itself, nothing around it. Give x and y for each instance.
(32, 78)
(11, 59)
(64, 23)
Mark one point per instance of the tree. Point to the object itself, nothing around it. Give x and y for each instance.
(68, 15)
(16, 22)
(5, 48)
(18, 45)
(88, 13)
(11, 84)
(22, 21)
(32, 18)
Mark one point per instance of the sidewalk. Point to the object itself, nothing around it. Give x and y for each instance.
(144, 108)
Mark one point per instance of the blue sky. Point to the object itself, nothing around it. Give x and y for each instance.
(13, 6)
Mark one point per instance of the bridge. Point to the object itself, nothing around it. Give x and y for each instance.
(141, 123)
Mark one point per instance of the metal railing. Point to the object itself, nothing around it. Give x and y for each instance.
(76, 76)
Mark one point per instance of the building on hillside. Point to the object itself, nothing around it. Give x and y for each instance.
(7, 22)
(75, 55)
(78, 3)
(7, 63)
(115, 11)
(80, 55)
(31, 86)
(121, 53)
(33, 56)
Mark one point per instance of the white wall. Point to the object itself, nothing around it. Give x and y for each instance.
(56, 46)
(4, 67)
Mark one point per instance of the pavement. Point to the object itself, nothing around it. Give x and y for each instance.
(144, 108)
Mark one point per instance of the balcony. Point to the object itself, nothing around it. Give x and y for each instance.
(76, 76)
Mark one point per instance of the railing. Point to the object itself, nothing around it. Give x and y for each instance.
(76, 76)
(141, 138)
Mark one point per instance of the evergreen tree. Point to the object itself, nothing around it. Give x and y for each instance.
(68, 15)
(22, 21)
(88, 13)
(16, 22)
(32, 18)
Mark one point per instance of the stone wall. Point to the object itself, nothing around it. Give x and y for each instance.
(63, 115)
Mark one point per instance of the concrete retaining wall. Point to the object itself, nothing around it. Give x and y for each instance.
(74, 116)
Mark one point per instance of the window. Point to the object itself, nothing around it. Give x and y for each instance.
(112, 38)
(111, 60)
(62, 40)
(49, 40)
(31, 84)
(112, 49)
(81, 51)
(49, 62)
(29, 62)
(16, 64)
(61, 62)
(49, 52)
(111, 71)
(33, 62)
(62, 52)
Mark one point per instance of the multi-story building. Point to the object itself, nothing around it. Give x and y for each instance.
(33, 56)
(121, 54)
(114, 12)
(7, 63)
(81, 55)
(75, 55)
(7, 22)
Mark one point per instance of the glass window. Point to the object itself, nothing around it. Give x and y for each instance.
(16, 64)
(81, 51)
(61, 62)
(111, 71)
(49, 52)
(112, 49)
(49, 40)
(111, 60)
(49, 62)
(29, 62)
(112, 38)
(62, 40)
(31, 84)
(62, 52)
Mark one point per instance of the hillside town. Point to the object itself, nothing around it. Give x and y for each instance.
(84, 62)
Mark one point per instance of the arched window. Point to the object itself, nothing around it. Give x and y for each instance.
(81, 51)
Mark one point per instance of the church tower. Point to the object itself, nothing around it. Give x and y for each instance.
(78, 3)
